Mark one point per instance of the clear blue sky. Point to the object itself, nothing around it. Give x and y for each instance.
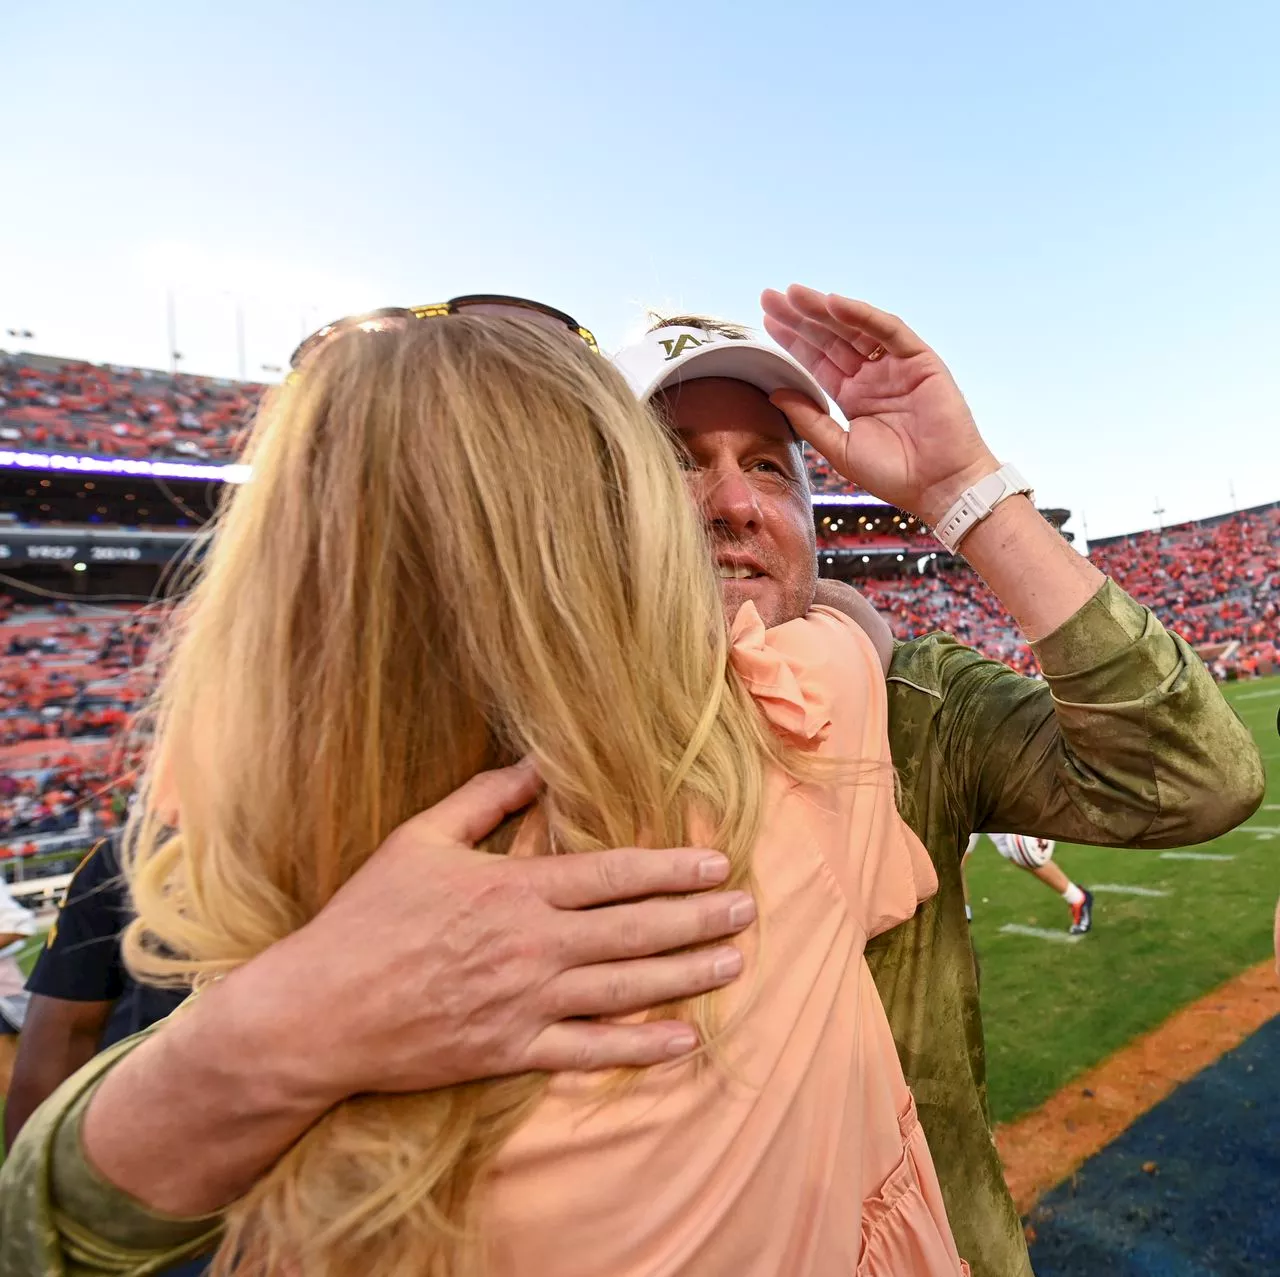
(1076, 204)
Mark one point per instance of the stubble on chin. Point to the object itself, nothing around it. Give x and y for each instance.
(767, 600)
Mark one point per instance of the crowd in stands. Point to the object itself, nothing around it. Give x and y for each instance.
(822, 478)
(1216, 583)
(50, 405)
(70, 678)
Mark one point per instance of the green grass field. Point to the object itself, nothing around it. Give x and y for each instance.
(1051, 1010)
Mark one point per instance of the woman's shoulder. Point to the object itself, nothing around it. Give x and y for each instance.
(809, 673)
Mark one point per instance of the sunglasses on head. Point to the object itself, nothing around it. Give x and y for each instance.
(390, 318)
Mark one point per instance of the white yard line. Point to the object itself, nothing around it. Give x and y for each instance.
(1257, 696)
(1126, 889)
(1059, 937)
(1192, 855)
(1260, 829)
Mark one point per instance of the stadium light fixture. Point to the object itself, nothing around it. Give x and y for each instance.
(80, 567)
(119, 466)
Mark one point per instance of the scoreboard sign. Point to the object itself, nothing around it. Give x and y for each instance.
(18, 547)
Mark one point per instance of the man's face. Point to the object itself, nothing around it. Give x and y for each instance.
(748, 478)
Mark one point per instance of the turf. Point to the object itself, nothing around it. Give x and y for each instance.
(1052, 1010)
(1187, 1190)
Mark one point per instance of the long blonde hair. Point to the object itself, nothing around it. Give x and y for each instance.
(460, 544)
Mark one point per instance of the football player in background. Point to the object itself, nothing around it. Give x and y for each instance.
(1035, 855)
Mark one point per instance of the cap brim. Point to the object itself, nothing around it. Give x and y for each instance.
(750, 361)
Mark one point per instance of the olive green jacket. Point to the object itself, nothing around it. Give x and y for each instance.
(1126, 742)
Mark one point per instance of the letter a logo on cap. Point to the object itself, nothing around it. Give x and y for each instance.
(675, 347)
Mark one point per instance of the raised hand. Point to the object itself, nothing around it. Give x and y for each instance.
(911, 439)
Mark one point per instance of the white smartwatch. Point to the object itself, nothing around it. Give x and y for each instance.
(977, 502)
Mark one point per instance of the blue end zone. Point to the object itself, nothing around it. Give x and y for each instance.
(1211, 1209)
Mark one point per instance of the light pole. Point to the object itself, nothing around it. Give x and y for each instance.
(174, 356)
(240, 339)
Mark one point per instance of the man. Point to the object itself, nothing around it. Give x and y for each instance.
(82, 998)
(1125, 742)
(1035, 855)
(1182, 768)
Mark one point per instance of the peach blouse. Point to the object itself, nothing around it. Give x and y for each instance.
(801, 1153)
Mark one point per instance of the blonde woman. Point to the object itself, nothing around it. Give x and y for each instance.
(465, 543)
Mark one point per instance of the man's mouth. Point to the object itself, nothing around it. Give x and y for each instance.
(738, 571)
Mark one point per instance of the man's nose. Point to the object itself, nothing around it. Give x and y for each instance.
(729, 501)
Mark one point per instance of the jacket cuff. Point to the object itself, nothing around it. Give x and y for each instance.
(90, 1207)
(1112, 650)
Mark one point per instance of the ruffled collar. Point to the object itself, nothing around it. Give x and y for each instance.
(782, 683)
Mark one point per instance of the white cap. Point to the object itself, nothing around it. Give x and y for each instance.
(668, 356)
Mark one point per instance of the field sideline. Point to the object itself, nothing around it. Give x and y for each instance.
(1051, 1010)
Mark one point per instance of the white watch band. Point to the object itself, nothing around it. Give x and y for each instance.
(977, 502)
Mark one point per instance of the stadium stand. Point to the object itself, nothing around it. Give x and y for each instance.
(70, 678)
(57, 405)
(1217, 582)
(71, 672)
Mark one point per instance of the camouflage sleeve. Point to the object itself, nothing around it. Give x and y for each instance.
(60, 1218)
(1126, 742)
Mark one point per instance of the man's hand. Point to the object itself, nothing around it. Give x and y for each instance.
(438, 964)
(434, 964)
(911, 440)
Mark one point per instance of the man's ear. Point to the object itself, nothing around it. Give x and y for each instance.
(844, 598)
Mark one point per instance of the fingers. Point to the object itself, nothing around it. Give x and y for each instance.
(818, 331)
(474, 810)
(589, 1047)
(628, 873)
(651, 927)
(827, 373)
(858, 323)
(887, 329)
(812, 424)
(618, 988)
